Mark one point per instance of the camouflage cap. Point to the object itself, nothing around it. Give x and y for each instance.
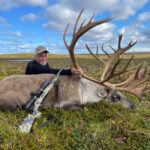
(40, 49)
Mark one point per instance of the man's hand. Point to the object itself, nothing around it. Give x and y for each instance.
(77, 71)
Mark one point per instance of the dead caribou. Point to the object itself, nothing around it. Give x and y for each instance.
(15, 90)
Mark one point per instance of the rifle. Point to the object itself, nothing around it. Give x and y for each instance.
(36, 94)
(26, 124)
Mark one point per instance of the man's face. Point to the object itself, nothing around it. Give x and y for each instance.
(42, 58)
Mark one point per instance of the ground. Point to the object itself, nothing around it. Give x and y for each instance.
(102, 125)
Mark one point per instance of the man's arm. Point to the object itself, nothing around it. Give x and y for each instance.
(64, 72)
(72, 71)
(35, 68)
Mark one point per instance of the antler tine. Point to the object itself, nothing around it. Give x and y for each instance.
(96, 57)
(64, 36)
(97, 49)
(120, 50)
(146, 71)
(105, 51)
(111, 73)
(124, 69)
(128, 46)
(76, 23)
(137, 71)
(82, 23)
(112, 48)
(91, 18)
(119, 41)
(131, 44)
(139, 92)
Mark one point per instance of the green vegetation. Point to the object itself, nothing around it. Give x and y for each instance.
(30, 55)
(98, 126)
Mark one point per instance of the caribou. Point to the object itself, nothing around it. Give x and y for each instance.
(73, 91)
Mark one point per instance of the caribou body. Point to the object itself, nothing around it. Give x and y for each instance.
(15, 91)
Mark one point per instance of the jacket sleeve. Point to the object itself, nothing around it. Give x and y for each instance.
(63, 72)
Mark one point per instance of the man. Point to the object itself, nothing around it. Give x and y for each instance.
(40, 64)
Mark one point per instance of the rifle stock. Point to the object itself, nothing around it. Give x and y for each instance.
(26, 124)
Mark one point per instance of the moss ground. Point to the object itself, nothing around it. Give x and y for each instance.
(100, 126)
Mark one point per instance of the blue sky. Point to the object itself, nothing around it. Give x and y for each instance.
(24, 24)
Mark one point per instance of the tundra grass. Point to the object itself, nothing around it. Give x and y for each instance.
(30, 55)
(99, 126)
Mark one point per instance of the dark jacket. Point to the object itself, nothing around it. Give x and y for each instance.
(34, 67)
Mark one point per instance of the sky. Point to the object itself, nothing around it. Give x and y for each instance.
(25, 24)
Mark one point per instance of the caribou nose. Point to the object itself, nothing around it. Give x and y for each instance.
(133, 107)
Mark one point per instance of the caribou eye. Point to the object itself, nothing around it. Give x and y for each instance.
(101, 93)
(115, 98)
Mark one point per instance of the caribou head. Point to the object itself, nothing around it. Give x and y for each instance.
(135, 82)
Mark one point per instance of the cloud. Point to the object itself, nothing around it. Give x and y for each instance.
(56, 20)
(58, 13)
(34, 2)
(24, 46)
(53, 25)
(17, 34)
(124, 9)
(15, 45)
(4, 23)
(67, 11)
(8, 4)
(146, 33)
(137, 26)
(138, 31)
(121, 9)
(29, 17)
(88, 4)
(6, 42)
(98, 35)
(143, 17)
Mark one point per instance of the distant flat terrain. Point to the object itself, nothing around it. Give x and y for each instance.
(29, 55)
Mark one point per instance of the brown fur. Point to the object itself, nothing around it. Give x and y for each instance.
(15, 90)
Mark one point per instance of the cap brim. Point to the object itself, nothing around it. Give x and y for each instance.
(45, 51)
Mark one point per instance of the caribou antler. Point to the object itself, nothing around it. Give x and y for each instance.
(77, 33)
(109, 68)
(135, 84)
